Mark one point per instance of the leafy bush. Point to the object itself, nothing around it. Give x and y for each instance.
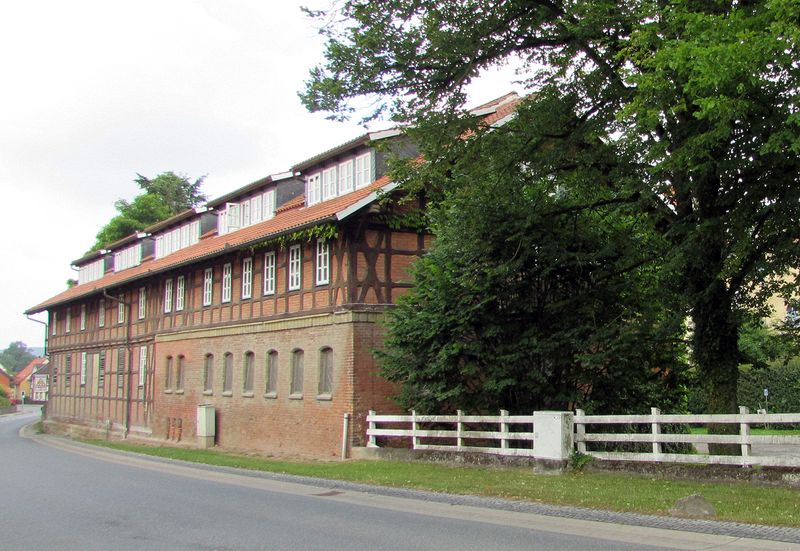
(4, 403)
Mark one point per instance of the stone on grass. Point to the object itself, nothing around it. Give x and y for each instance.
(694, 505)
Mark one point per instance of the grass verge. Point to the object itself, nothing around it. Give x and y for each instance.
(737, 502)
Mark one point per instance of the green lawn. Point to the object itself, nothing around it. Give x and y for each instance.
(755, 431)
(738, 502)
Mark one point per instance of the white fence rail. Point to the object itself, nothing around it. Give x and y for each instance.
(516, 435)
(502, 434)
(657, 437)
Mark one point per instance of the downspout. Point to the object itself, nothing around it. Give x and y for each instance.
(130, 359)
(46, 331)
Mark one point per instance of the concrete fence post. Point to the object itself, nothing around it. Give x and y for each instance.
(744, 432)
(580, 428)
(414, 437)
(503, 429)
(552, 435)
(372, 425)
(459, 430)
(656, 429)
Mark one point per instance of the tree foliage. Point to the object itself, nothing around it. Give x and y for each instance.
(16, 357)
(695, 102)
(164, 196)
(526, 299)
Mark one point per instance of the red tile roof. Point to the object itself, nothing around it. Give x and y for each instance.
(28, 370)
(285, 221)
(290, 216)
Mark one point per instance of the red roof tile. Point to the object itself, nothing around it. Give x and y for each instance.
(28, 370)
(284, 222)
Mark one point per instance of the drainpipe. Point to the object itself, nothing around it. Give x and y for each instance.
(46, 331)
(130, 358)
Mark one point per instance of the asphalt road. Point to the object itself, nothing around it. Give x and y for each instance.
(56, 495)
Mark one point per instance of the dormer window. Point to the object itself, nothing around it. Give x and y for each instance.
(92, 271)
(177, 239)
(247, 212)
(333, 181)
(128, 257)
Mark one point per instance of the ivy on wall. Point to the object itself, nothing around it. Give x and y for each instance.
(307, 235)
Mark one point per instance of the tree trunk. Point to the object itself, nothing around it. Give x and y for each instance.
(716, 351)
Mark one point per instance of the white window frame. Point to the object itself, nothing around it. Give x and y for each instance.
(168, 296)
(256, 209)
(69, 320)
(313, 189)
(121, 310)
(244, 212)
(54, 323)
(295, 271)
(227, 279)
(142, 302)
(269, 273)
(346, 182)
(83, 368)
(142, 365)
(180, 290)
(329, 183)
(233, 214)
(363, 170)
(247, 277)
(83, 317)
(208, 286)
(323, 262)
(269, 204)
(101, 313)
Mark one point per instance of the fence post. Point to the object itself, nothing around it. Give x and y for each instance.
(656, 429)
(744, 432)
(373, 441)
(503, 429)
(414, 437)
(459, 430)
(580, 428)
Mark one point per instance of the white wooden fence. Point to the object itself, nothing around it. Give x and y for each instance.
(515, 435)
(657, 438)
(457, 432)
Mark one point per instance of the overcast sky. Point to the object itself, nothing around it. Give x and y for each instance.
(95, 91)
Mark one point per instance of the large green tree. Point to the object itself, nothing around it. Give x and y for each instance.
(16, 357)
(697, 101)
(165, 195)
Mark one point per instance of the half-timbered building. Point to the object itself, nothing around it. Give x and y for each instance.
(266, 304)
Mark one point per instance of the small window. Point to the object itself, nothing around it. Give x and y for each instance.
(247, 372)
(180, 289)
(101, 313)
(295, 268)
(346, 177)
(142, 365)
(168, 296)
(142, 302)
(101, 372)
(120, 367)
(68, 327)
(53, 322)
(227, 276)
(179, 374)
(208, 374)
(168, 374)
(271, 386)
(84, 360)
(121, 309)
(329, 183)
(363, 170)
(325, 372)
(227, 373)
(208, 286)
(313, 189)
(247, 278)
(269, 273)
(68, 370)
(83, 317)
(323, 262)
(296, 384)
